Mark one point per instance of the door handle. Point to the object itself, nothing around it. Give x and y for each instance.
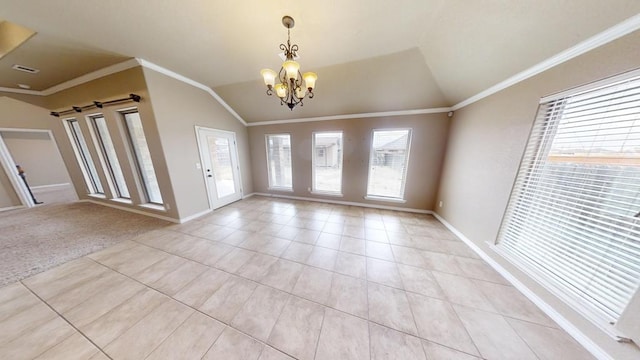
(209, 175)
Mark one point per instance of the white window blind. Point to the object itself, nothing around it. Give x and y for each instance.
(572, 219)
(327, 162)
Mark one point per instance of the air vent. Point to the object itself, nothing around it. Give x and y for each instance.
(25, 69)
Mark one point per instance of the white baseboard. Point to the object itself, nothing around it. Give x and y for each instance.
(161, 217)
(41, 188)
(348, 203)
(11, 208)
(565, 324)
(194, 216)
(247, 196)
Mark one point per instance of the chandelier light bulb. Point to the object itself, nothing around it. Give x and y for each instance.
(281, 90)
(291, 68)
(310, 80)
(269, 77)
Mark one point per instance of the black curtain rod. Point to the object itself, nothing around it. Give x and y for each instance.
(96, 104)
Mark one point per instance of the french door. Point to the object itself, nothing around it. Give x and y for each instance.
(220, 166)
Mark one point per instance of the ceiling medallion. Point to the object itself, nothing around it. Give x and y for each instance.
(289, 89)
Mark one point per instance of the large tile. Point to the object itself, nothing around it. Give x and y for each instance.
(549, 343)
(323, 258)
(233, 345)
(328, 240)
(408, 256)
(112, 324)
(352, 245)
(298, 252)
(269, 353)
(420, 281)
(14, 299)
(191, 340)
(501, 342)
(134, 259)
(102, 302)
(349, 294)
(297, 330)
(142, 338)
(24, 321)
(351, 264)
(225, 303)
(38, 340)
(390, 307)
(47, 286)
(201, 288)
(257, 266)
(179, 278)
(389, 344)
(159, 270)
(379, 251)
(78, 294)
(463, 291)
(283, 275)
(437, 321)
(441, 262)
(377, 235)
(343, 337)
(307, 236)
(208, 252)
(234, 260)
(438, 352)
(75, 346)
(510, 302)
(313, 284)
(478, 269)
(260, 312)
(383, 272)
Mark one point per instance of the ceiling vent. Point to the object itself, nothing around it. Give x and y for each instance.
(25, 69)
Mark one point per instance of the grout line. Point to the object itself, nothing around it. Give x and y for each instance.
(67, 321)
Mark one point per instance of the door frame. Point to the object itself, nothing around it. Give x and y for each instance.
(202, 155)
(7, 163)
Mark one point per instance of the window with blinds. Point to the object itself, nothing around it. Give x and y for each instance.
(573, 217)
(279, 169)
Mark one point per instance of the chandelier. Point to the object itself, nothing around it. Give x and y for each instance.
(289, 89)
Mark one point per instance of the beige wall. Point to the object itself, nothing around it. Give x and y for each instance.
(429, 134)
(178, 108)
(38, 156)
(8, 196)
(486, 143)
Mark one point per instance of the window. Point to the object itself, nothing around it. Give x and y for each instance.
(279, 161)
(84, 157)
(388, 164)
(572, 220)
(111, 159)
(327, 162)
(143, 156)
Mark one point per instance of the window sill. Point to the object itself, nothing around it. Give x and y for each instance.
(280, 189)
(122, 200)
(153, 206)
(98, 196)
(322, 193)
(385, 199)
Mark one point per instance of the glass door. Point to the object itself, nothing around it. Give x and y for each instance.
(220, 166)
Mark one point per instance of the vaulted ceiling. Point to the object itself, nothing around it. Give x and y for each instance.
(370, 55)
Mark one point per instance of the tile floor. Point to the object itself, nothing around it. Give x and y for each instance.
(275, 279)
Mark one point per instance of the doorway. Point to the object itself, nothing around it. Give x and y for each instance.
(220, 167)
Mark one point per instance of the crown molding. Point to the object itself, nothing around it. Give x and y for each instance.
(20, 91)
(167, 72)
(354, 116)
(613, 33)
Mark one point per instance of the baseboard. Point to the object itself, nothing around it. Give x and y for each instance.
(565, 324)
(11, 208)
(247, 196)
(41, 188)
(348, 203)
(194, 216)
(166, 218)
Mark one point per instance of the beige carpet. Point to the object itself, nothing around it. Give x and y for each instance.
(36, 239)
